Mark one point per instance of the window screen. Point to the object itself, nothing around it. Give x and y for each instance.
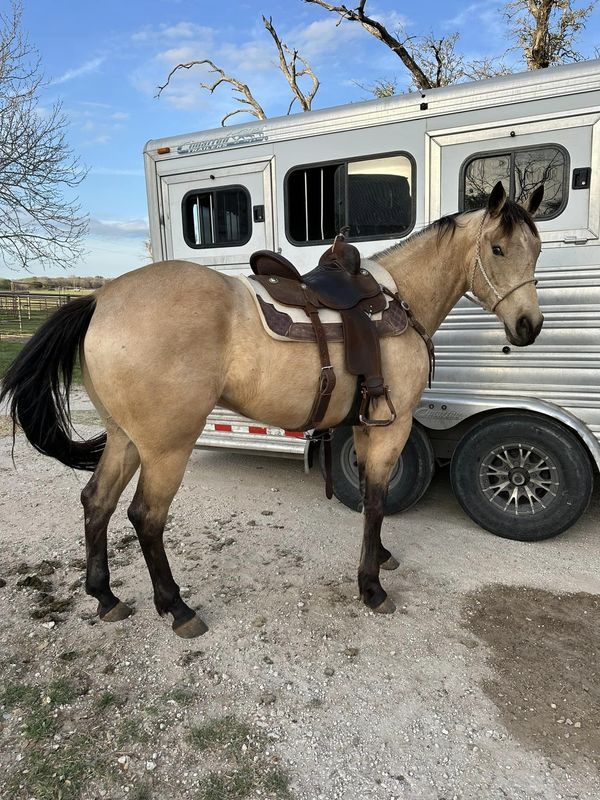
(217, 218)
(520, 171)
(373, 197)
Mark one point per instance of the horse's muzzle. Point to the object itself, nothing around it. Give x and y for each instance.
(526, 331)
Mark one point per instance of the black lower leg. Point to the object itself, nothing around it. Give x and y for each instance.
(97, 580)
(383, 554)
(167, 597)
(369, 586)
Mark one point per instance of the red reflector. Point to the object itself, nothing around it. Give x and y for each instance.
(295, 434)
(223, 428)
(162, 151)
(256, 429)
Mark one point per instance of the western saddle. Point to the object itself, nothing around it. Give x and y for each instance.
(337, 283)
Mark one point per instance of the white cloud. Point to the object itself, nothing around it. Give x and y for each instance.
(247, 58)
(77, 72)
(116, 171)
(98, 140)
(181, 30)
(119, 228)
(178, 54)
(484, 15)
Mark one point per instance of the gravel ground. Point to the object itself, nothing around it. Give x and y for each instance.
(483, 685)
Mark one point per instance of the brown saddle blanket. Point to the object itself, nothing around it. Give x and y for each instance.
(337, 284)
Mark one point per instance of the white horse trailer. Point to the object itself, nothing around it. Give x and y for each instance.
(514, 424)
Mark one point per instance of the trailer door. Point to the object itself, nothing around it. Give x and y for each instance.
(465, 163)
(218, 217)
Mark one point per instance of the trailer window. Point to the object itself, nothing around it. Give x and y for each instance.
(373, 196)
(520, 171)
(218, 218)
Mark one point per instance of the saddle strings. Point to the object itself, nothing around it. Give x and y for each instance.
(478, 264)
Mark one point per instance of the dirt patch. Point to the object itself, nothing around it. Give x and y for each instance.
(6, 426)
(545, 652)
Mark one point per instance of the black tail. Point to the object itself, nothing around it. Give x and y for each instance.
(38, 384)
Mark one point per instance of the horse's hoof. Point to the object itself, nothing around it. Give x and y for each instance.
(387, 607)
(390, 563)
(191, 628)
(116, 613)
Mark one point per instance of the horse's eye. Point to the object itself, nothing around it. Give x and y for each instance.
(497, 250)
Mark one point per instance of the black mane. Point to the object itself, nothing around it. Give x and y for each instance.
(512, 214)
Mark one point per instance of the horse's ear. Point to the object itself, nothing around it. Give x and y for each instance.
(496, 200)
(536, 198)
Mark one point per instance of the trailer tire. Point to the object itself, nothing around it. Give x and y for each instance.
(522, 476)
(409, 481)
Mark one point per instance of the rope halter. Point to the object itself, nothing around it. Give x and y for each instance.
(478, 265)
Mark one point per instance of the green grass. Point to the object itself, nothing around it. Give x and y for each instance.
(62, 692)
(242, 782)
(10, 350)
(226, 732)
(40, 724)
(109, 700)
(183, 697)
(19, 695)
(245, 771)
(140, 792)
(132, 732)
(60, 774)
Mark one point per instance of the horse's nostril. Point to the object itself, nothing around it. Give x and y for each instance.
(524, 328)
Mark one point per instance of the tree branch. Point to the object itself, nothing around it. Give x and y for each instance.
(247, 97)
(379, 31)
(290, 71)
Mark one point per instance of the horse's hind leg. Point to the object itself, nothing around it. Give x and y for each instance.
(160, 477)
(100, 497)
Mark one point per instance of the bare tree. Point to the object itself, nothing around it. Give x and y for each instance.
(38, 225)
(291, 63)
(546, 30)
(291, 72)
(379, 31)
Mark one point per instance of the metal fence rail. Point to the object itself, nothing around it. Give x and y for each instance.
(21, 313)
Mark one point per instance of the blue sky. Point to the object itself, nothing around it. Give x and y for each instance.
(104, 61)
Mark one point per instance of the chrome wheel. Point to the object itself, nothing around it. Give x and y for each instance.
(522, 476)
(519, 478)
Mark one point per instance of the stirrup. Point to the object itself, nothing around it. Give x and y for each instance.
(374, 423)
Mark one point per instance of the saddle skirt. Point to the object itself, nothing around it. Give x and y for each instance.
(288, 323)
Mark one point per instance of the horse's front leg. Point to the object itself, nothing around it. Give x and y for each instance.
(382, 452)
(361, 446)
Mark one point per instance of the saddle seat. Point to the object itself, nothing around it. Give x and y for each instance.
(337, 283)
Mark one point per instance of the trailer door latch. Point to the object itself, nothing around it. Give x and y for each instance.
(581, 178)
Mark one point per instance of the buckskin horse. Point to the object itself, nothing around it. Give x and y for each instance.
(159, 347)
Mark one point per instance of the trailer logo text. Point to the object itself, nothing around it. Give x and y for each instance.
(252, 136)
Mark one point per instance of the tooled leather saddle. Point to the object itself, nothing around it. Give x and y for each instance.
(337, 283)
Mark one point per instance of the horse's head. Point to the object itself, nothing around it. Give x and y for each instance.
(502, 275)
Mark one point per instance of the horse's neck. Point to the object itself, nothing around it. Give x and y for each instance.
(430, 278)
